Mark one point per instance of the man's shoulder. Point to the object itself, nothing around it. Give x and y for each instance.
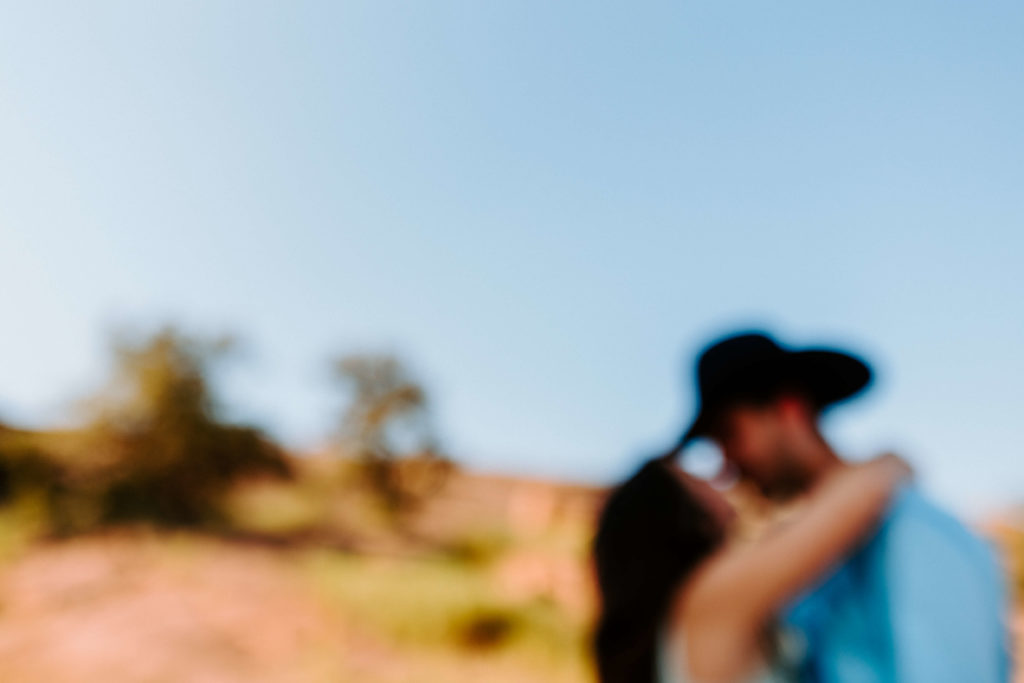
(911, 508)
(916, 539)
(912, 511)
(945, 592)
(917, 529)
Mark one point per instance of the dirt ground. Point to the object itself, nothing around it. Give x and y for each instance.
(148, 609)
(137, 609)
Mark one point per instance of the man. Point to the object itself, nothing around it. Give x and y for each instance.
(922, 601)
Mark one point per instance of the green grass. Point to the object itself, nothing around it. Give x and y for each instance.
(437, 604)
(22, 521)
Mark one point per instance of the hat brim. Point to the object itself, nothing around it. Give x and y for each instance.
(829, 376)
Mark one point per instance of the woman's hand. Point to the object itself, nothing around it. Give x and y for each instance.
(895, 465)
(887, 471)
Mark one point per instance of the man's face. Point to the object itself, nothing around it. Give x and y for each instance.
(760, 442)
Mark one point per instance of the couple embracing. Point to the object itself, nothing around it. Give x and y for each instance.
(865, 580)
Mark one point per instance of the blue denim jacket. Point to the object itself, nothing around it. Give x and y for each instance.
(922, 601)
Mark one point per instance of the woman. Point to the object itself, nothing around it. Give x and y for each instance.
(679, 605)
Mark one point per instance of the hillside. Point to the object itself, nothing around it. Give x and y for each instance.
(489, 583)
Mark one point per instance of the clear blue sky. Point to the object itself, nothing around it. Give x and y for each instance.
(546, 207)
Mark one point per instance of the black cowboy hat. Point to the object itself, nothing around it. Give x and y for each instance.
(754, 364)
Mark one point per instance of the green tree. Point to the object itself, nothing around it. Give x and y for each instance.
(387, 426)
(162, 450)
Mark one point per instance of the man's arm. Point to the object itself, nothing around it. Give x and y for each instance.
(945, 599)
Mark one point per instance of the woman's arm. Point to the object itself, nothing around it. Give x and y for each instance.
(726, 604)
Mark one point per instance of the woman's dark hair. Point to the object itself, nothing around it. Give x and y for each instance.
(651, 534)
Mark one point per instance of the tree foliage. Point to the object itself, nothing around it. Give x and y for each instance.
(168, 452)
(155, 447)
(387, 426)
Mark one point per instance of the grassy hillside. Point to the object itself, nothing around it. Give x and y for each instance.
(487, 580)
(312, 581)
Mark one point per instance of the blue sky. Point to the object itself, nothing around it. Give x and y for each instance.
(547, 208)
